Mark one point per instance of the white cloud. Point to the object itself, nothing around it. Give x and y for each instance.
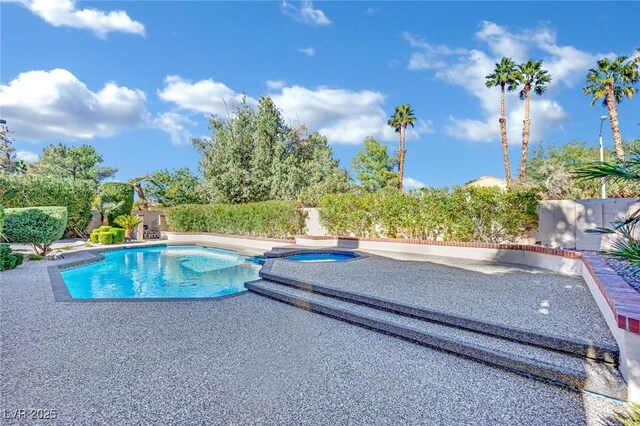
(275, 84)
(305, 14)
(342, 115)
(468, 68)
(409, 183)
(64, 13)
(205, 96)
(55, 104)
(429, 56)
(27, 156)
(174, 123)
(309, 51)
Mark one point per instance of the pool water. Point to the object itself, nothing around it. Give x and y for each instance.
(321, 257)
(163, 272)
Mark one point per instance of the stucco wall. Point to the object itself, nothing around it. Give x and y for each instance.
(563, 222)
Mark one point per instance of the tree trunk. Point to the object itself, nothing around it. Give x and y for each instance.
(140, 193)
(503, 135)
(105, 219)
(401, 153)
(526, 131)
(613, 119)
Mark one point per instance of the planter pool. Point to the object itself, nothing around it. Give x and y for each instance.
(321, 257)
(162, 272)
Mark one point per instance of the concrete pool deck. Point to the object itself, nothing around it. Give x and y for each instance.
(245, 360)
(527, 298)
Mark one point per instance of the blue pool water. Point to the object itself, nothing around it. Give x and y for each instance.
(321, 257)
(171, 272)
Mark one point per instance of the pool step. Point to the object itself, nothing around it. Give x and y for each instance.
(598, 351)
(576, 372)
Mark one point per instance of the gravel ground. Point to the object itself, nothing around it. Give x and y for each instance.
(245, 360)
(631, 276)
(518, 296)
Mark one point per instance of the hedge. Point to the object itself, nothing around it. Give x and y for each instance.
(32, 191)
(276, 219)
(457, 214)
(39, 226)
(118, 192)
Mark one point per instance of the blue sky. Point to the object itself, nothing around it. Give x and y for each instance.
(136, 79)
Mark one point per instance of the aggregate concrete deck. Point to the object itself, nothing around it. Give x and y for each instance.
(245, 360)
(528, 298)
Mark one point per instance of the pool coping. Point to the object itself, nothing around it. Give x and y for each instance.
(61, 292)
(283, 253)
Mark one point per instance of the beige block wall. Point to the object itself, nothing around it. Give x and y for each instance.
(563, 222)
(151, 218)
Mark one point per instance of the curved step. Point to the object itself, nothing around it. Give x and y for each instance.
(525, 359)
(583, 348)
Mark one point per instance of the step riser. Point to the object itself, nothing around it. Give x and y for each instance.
(560, 345)
(575, 379)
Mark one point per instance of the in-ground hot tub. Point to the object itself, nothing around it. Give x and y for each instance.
(330, 256)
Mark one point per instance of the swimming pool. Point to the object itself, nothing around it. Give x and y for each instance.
(163, 272)
(321, 257)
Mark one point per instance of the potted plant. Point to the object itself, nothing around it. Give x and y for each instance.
(128, 222)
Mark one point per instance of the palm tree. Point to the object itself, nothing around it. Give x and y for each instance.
(504, 75)
(612, 81)
(402, 117)
(531, 76)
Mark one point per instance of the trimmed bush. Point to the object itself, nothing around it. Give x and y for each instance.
(105, 238)
(9, 260)
(118, 235)
(39, 226)
(276, 219)
(457, 214)
(107, 235)
(118, 192)
(32, 191)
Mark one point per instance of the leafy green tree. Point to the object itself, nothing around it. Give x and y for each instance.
(534, 78)
(552, 170)
(81, 162)
(254, 156)
(401, 118)
(171, 188)
(505, 75)
(612, 81)
(374, 166)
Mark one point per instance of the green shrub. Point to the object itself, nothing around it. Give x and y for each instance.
(1, 219)
(93, 237)
(32, 191)
(105, 238)
(35, 257)
(9, 260)
(120, 193)
(118, 235)
(457, 214)
(39, 226)
(277, 219)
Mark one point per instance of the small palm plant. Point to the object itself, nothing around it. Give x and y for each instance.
(627, 245)
(105, 206)
(128, 222)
